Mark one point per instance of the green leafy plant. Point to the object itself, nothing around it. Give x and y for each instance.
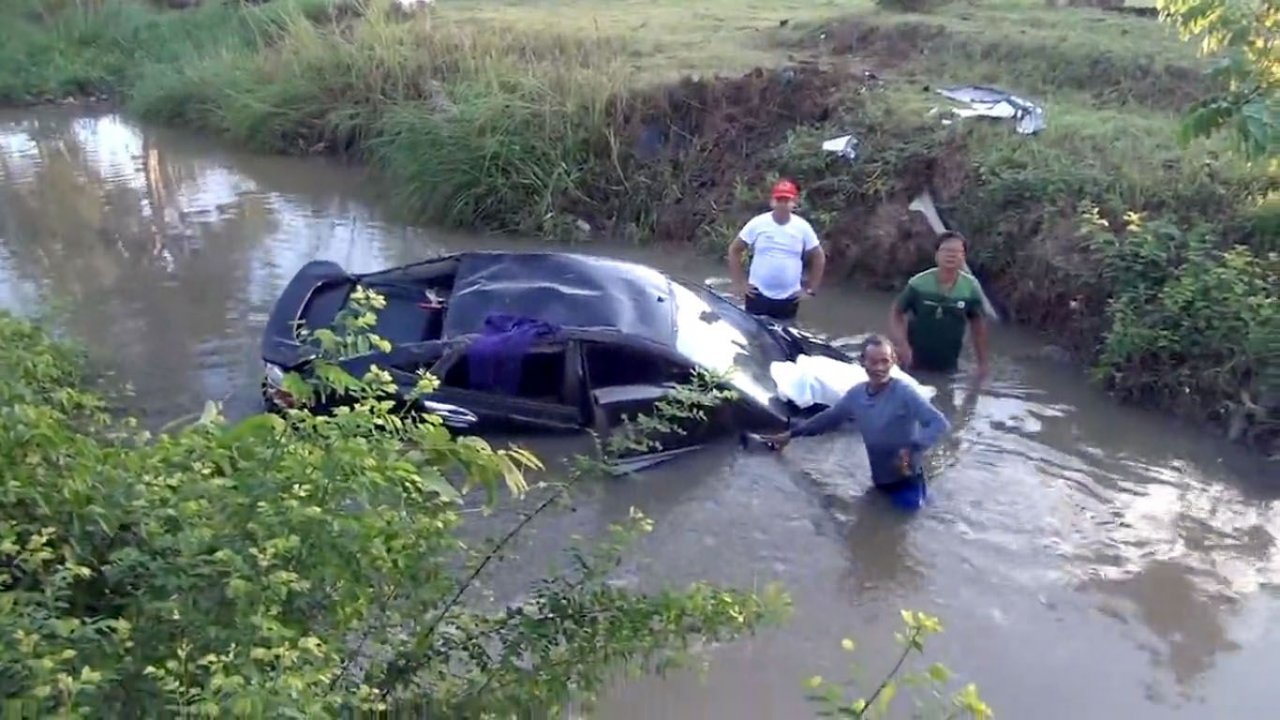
(292, 564)
(1245, 35)
(834, 699)
(1189, 322)
(686, 403)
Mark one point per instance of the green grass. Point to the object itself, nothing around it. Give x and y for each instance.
(50, 51)
(525, 115)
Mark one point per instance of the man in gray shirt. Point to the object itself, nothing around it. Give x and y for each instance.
(898, 425)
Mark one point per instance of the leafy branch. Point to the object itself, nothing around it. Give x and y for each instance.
(1245, 35)
(918, 626)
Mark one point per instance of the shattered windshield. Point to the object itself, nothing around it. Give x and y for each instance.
(718, 335)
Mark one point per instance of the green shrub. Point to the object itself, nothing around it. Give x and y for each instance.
(834, 701)
(1191, 324)
(289, 565)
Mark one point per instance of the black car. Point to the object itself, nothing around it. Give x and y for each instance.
(546, 340)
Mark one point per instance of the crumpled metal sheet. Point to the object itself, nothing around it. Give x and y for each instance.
(982, 101)
(846, 146)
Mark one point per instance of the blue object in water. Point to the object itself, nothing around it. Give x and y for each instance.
(909, 494)
(494, 358)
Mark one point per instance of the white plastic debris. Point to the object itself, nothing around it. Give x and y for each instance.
(821, 380)
(989, 102)
(845, 146)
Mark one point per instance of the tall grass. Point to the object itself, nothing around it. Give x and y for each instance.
(500, 114)
(53, 49)
(472, 125)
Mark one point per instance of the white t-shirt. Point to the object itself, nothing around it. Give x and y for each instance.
(777, 257)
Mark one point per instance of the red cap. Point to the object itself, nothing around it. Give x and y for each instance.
(785, 190)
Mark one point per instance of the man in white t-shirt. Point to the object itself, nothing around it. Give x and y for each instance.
(786, 258)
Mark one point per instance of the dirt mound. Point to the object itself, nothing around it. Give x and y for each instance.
(888, 44)
(693, 161)
(688, 151)
(878, 238)
(681, 149)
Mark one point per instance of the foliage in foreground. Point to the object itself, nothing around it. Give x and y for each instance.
(931, 681)
(290, 565)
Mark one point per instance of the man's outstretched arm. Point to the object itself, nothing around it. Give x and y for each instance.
(829, 419)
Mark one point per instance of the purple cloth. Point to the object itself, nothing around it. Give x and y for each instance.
(493, 359)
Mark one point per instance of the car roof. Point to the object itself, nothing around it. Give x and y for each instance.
(564, 289)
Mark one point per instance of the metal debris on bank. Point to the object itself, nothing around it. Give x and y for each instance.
(982, 101)
(845, 146)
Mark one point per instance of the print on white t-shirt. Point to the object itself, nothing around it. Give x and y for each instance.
(777, 253)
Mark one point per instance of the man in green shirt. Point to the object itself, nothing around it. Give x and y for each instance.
(943, 302)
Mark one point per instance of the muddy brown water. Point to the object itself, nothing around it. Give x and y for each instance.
(1088, 560)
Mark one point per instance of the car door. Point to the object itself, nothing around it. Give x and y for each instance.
(626, 381)
(547, 395)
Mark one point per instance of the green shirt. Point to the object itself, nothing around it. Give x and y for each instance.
(937, 320)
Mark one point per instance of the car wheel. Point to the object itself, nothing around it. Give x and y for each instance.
(268, 404)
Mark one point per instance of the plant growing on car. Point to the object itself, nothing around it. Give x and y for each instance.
(292, 564)
(834, 701)
(688, 401)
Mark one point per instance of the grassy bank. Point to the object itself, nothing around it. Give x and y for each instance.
(532, 115)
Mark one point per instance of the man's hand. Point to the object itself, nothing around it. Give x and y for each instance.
(904, 461)
(903, 351)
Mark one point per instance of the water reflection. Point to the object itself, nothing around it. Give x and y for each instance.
(168, 254)
(1066, 537)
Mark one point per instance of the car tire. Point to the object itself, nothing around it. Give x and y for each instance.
(268, 404)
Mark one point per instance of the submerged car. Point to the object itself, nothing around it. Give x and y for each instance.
(549, 340)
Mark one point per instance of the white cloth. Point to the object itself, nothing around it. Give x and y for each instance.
(777, 253)
(814, 379)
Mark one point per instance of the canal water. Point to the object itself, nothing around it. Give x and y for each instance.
(1088, 560)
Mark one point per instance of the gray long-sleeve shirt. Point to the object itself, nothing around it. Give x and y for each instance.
(894, 418)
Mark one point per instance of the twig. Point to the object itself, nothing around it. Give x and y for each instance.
(364, 638)
(902, 659)
(489, 556)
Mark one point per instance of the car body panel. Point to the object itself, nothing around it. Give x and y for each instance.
(627, 335)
